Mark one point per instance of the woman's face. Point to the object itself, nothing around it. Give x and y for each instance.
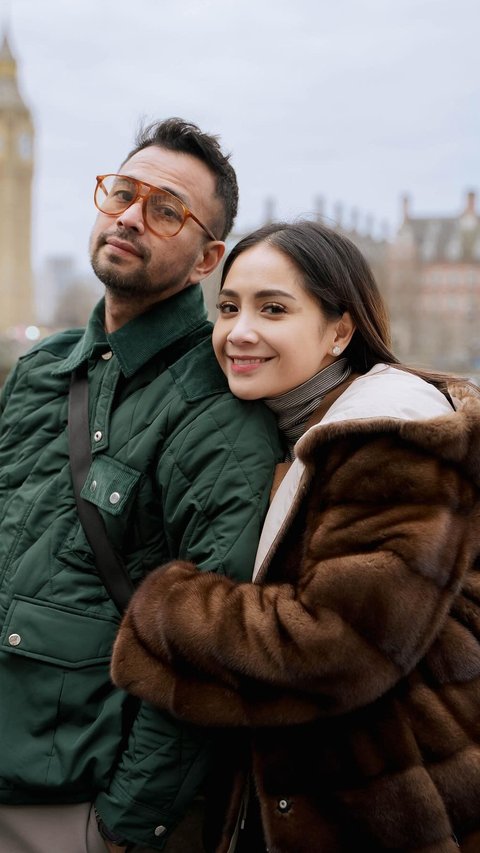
(270, 335)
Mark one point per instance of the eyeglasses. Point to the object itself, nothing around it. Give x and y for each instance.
(164, 214)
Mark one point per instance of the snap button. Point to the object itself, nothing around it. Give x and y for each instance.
(97, 435)
(114, 498)
(93, 485)
(159, 830)
(14, 639)
(107, 355)
(284, 805)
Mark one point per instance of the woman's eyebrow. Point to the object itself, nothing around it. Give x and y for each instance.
(259, 294)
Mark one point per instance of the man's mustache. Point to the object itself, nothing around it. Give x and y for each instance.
(127, 237)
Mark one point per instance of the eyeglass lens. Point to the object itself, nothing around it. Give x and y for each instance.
(164, 214)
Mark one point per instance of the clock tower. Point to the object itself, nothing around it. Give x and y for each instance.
(16, 171)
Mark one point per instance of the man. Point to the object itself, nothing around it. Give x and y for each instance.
(180, 468)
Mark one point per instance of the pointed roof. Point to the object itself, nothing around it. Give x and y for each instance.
(6, 50)
(8, 65)
(10, 97)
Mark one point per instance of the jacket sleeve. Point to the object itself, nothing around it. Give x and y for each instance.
(390, 532)
(214, 480)
(8, 387)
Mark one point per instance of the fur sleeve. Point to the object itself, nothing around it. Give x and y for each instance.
(391, 531)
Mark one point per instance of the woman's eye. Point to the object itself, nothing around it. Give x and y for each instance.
(226, 307)
(274, 308)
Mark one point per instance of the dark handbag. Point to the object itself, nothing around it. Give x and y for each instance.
(109, 565)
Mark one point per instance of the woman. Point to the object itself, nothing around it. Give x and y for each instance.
(352, 664)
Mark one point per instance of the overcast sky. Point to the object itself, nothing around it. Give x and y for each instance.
(357, 101)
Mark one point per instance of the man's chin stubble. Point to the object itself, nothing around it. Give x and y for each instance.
(119, 284)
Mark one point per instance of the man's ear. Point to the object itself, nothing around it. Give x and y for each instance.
(344, 330)
(212, 254)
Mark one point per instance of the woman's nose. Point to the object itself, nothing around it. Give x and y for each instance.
(132, 217)
(243, 331)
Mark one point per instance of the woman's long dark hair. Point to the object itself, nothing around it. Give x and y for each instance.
(335, 273)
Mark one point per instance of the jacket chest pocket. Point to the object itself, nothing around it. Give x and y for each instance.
(57, 635)
(111, 485)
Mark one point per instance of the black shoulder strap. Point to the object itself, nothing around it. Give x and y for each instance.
(109, 565)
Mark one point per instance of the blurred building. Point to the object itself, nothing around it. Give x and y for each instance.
(68, 295)
(17, 304)
(434, 288)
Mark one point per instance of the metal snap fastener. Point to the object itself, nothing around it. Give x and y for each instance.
(14, 639)
(93, 485)
(97, 435)
(107, 355)
(114, 498)
(159, 830)
(284, 805)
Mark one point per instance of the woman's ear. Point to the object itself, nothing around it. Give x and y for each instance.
(344, 330)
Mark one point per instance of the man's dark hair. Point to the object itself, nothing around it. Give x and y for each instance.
(175, 134)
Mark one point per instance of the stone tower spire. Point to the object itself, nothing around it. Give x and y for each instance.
(16, 171)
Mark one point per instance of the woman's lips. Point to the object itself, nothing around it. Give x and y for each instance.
(246, 364)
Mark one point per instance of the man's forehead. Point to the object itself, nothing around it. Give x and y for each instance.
(177, 164)
(181, 173)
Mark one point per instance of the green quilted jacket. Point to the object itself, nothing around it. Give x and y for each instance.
(180, 468)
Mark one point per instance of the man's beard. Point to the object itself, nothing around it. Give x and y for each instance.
(122, 284)
(136, 285)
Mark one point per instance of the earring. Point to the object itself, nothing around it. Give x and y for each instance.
(336, 350)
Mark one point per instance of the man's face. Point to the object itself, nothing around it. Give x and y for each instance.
(130, 260)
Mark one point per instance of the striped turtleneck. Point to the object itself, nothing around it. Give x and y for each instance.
(294, 408)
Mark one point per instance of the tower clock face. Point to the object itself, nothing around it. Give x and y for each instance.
(25, 147)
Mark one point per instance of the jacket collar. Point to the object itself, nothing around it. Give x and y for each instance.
(385, 392)
(144, 336)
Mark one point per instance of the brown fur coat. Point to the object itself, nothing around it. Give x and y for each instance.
(354, 666)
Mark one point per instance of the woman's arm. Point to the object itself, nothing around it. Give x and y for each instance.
(390, 532)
